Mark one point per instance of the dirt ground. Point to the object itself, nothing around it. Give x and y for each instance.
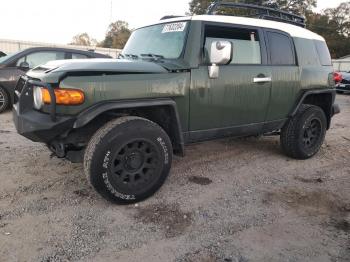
(228, 200)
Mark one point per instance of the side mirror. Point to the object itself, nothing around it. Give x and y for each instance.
(220, 53)
(24, 66)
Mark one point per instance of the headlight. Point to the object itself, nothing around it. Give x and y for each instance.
(63, 96)
(38, 97)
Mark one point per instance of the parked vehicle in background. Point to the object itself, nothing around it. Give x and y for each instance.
(181, 80)
(342, 80)
(15, 65)
(2, 54)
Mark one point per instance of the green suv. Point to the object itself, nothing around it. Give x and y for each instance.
(180, 81)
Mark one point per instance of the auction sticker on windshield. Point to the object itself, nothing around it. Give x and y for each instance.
(174, 27)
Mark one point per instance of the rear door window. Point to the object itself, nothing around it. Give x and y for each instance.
(281, 49)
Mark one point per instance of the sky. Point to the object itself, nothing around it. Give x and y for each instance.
(57, 21)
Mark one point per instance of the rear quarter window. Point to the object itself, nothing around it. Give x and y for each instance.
(323, 53)
(306, 51)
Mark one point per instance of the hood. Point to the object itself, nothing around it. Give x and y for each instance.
(101, 65)
(53, 71)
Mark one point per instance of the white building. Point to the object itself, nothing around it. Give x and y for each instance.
(11, 46)
(342, 64)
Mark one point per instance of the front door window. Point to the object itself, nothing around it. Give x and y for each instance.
(39, 58)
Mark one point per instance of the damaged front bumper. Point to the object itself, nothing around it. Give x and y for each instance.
(35, 125)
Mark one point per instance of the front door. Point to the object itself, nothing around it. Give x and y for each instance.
(239, 97)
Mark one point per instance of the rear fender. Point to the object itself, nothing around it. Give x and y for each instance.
(322, 98)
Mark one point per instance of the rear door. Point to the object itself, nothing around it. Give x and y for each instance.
(240, 95)
(285, 74)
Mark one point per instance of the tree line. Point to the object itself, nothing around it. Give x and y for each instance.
(332, 23)
(117, 35)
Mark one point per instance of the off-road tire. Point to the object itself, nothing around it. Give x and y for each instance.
(128, 159)
(303, 135)
(4, 100)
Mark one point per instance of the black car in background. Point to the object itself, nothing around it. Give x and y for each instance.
(342, 80)
(2, 54)
(15, 65)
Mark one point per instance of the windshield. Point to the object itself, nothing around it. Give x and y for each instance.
(7, 57)
(4, 58)
(163, 41)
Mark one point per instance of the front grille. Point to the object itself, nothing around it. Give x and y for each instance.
(19, 88)
(20, 84)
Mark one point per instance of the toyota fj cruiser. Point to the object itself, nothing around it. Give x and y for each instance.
(179, 81)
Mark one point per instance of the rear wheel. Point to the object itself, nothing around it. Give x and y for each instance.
(304, 134)
(4, 100)
(128, 159)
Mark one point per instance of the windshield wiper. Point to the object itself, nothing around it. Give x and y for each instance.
(154, 56)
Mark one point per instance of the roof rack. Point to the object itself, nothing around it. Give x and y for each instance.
(262, 12)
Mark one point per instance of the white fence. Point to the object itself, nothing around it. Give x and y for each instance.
(11, 46)
(341, 65)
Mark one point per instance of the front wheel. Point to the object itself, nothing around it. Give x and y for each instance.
(304, 134)
(128, 159)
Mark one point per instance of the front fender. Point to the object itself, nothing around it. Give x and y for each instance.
(173, 127)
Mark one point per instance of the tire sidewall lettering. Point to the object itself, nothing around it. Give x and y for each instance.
(165, 150)
(106, 160)
(111, 189)
(115, 192)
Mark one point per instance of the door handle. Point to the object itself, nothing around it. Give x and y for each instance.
(262, 79)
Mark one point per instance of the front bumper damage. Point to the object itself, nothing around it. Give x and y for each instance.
(35, 125)
(51, 129)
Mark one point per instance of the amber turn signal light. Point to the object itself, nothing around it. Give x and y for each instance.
(64, 96)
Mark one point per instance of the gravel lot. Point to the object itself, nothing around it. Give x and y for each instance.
(227, 200)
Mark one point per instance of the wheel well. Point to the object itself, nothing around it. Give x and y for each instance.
(324, 101)
(165, 116)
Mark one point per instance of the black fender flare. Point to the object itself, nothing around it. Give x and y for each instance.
(331, 108)
(94, 111)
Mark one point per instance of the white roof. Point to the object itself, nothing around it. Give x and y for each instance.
(294, 31)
